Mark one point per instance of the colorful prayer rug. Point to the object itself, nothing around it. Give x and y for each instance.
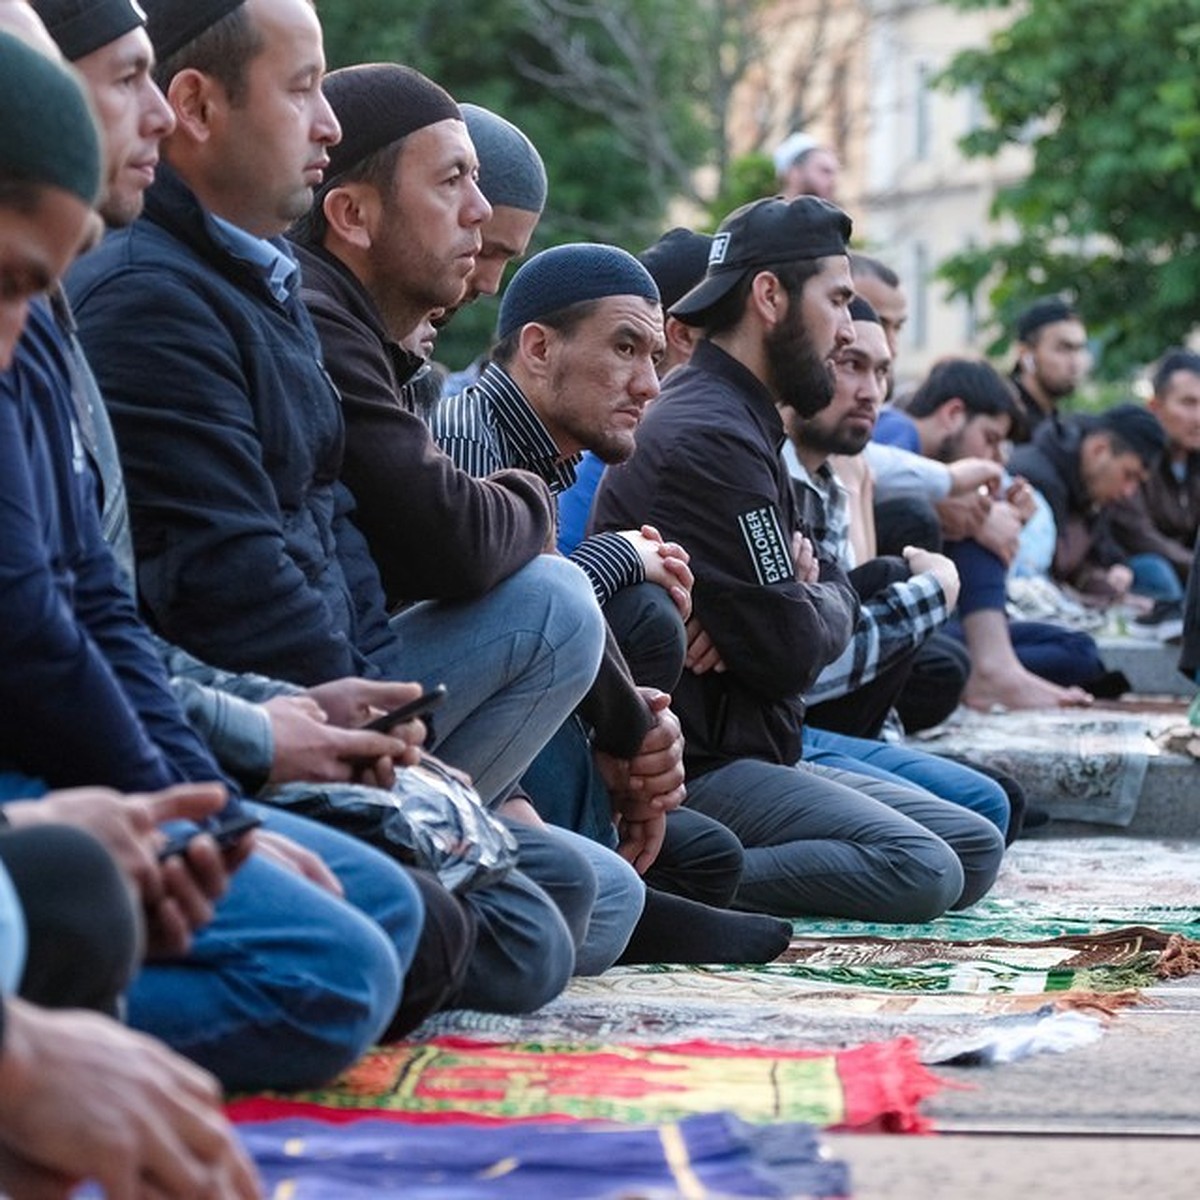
(456, 1079)
(696, 1158)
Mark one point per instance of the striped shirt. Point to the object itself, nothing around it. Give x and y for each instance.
(892, 623)
(491, 426)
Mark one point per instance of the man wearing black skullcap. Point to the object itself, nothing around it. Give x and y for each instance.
(386, 242)
(250, 435)
(1083, 466)
(1052, 359)
(769, 615)
(580, 329)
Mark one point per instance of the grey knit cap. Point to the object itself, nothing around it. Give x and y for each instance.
(511, 171)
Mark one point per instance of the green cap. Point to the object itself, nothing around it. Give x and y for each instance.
(50, 137)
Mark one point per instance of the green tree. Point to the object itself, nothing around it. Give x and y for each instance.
(611, 91)
(1106, 96)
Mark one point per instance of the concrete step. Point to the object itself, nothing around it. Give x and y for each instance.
(1152, 666)
(1094, 770)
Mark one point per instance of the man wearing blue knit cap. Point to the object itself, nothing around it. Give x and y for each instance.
(579, 334)
(579, 337)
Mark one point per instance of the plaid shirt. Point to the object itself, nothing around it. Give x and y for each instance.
(491, 426)
(890, 624)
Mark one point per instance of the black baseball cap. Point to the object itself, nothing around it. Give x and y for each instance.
(761, 235)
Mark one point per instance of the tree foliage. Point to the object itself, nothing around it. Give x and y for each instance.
(1106, 95)
(616, 94)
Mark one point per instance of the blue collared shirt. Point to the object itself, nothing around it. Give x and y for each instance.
(279, 269)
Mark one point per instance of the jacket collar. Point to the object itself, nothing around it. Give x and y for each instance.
(335, 280)
(711, 359)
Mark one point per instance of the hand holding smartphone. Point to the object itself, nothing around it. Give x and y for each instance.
(226, 833)
(423, 705)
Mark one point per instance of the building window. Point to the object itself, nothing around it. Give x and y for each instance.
(919, 324)
(922, 114)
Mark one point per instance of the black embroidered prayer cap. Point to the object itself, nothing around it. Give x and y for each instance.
(81, 26)
(172, 24)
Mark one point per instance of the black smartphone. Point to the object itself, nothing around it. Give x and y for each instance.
(426, 702)
(226, 833)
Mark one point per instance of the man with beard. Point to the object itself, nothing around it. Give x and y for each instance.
(1052, 359)
(774, 306)
(903, 600)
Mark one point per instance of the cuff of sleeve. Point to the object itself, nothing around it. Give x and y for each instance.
(610, 562)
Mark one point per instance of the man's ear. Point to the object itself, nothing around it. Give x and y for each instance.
(197, 99)
(353, 211)
(681, 337)
(1094, 447)
(535, 348)
(768, 298)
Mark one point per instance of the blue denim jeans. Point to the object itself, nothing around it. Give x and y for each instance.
(903, 764)
(288, 984)
(516, 662)
(1154, 576)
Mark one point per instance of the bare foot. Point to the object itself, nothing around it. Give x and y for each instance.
(1020, 689)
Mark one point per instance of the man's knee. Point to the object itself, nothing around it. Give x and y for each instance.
(651, 634)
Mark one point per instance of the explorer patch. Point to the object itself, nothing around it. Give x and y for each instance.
(769, 550)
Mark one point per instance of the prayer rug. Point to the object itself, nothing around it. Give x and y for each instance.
(698, 1157)
(1086, 766)
(875, 1087)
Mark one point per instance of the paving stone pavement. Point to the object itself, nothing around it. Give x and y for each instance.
(1118, 1120)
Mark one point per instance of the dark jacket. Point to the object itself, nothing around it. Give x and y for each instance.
(1189, 657)
(707, 473)
(436, 532)
(1031, 415)
(1164, 516)
(85, 697)
(231, 440)
(1085, 546)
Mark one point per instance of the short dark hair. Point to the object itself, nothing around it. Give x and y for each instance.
(564, 321)
(864, 264)
(224, 51)
(982, 389)
(1174, 360)
(728, 311)
(378, 170)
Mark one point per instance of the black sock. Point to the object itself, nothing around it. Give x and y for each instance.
(675, 930)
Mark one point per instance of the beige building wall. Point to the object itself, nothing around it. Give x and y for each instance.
(920, 199)
(857, 74)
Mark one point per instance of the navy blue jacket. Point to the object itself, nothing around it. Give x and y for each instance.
(231, 440)
(84, 695)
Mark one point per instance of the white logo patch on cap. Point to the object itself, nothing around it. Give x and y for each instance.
(769, 549)
(718, 250)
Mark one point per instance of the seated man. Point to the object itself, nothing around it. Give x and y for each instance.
(592, 303)
(579, 332)
(1083, 466)
(257, 997)
(1157, 526)
(964, 412)
(902, 602)
(1052, 360)
(707, 472)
